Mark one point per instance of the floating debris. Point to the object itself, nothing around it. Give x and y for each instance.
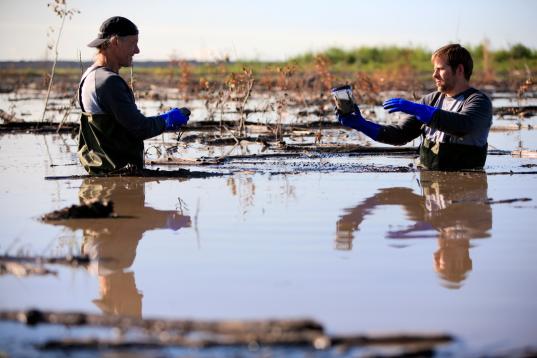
(521, 111)
(507, 201)
(131, 171)
(91, 210)
(37, 127)
(7, 117)
(524, 153)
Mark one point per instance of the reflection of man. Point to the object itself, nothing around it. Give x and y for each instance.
(112, 242)
(454, 205)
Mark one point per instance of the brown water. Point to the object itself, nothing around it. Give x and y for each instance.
(359, 252)
(282, 238)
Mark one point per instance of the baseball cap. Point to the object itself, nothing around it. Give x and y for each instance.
(115, 25)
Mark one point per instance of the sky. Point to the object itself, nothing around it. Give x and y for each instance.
(265, 30)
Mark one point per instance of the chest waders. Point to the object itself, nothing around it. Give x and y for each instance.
(104, 146)
(450, 156)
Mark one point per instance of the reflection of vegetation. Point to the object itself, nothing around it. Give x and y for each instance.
(243, 188)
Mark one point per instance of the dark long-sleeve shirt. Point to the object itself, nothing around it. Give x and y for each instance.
(456, 137)
(112, 128)
(105, 92)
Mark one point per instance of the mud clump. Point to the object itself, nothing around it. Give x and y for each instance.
(92, 210)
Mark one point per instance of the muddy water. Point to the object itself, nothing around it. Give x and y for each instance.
(359, 252)
(315, 236)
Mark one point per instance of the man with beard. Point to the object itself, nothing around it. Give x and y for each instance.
(454, 121)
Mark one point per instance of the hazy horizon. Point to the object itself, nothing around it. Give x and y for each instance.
(242, 30)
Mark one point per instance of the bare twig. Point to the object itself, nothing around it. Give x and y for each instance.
(60, 8)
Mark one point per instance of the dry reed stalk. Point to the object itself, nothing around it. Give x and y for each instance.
(60, 9)
(207, 92)
(185, 73)
(284, 76)
(241, 85)
(132, 81)
(488, 71)
(248, 78)
(366, 89)
(527, 85)
(322, 67)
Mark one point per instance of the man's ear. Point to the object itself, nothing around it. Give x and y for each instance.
(113, 40)
(460, 69)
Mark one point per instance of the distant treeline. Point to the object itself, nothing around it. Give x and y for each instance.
(375, 58)
(368, 59)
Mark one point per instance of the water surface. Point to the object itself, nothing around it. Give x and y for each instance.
(359, 252)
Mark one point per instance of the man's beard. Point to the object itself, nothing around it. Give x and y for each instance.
(445, 86)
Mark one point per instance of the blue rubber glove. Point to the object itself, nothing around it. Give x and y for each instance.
(175, 118)
(356, 121)
(423, 112)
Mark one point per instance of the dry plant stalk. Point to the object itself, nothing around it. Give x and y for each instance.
(248, 79)
(185, 73)
(488, 71)
(74, 99)
(366, 89)
(526, 85)
(206, 91)
(132, 81)
(284, 76)
(60, 9)
(241, 85)
(173, 64)
(322, 67)
(223, 96)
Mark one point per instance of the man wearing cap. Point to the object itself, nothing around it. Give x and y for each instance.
(112, 128)
(454, 121)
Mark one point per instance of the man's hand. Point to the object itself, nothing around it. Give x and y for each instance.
(356, 121)
(423, 112)
(175, 118)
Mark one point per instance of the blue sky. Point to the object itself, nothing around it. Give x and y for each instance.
(267, 30)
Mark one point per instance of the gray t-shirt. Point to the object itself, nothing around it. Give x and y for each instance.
(469, 124)
(464, 119)
(103, 91)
